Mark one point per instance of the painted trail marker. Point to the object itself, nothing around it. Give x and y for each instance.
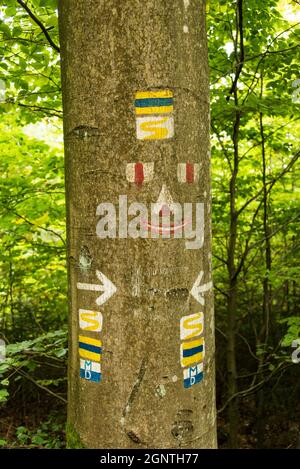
(154, 127)
(192, 375)
(139, 172)
(90, 320)
(191, 352)
(153, 102)
(154, 119)
(188, 172)
(107, 287)
(90, 371)
(89, 348)
(198, 290)
(191, 326)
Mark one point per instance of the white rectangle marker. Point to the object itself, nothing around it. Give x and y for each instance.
(154, 127)
(90, 320)
(188, 172)
(147, 171)
(90, 370)
(191, 326)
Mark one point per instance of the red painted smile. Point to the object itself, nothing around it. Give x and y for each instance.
(169, 228)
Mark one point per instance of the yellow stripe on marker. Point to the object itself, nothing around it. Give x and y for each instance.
(90, 341)
(154, 110)
(193, 344)
(154, 94)
(90, 355)
(194, 358)
(187, 361)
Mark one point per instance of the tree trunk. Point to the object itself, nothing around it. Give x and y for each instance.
(263, 336)
(233, 406)
(233, 270)
(136, 125)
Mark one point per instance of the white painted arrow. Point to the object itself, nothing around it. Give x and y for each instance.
(107, 287)
(198, 290)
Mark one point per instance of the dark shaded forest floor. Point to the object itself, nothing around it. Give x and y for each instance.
(36, 418)
(34, 425)
(280, 432)
(41, 424)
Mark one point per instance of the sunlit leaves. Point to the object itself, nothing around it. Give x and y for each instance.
(265, 86)
(32, 231)
(30, 66)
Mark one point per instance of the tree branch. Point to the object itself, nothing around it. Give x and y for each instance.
(240, 63)
(263, 56)
(253, 388)
(271, 183)
(38, 226)
(223, 147)
(40, 24)
(27, 376)
(269, 136)
(268, 190)
(221, 291)
(44, 110)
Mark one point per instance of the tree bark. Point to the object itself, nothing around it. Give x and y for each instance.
(233, 270)
(233, 410)
(112, 50)
(264, 333)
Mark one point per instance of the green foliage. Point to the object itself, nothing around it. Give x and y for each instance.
(33, 280)
(32, 231)
(293, 330)
(48, 435)
(3, 395)
(29, 359)
(30, 65)
(264, 87)
(256, 188)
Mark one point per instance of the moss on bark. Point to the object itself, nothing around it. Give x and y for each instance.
(73, 438)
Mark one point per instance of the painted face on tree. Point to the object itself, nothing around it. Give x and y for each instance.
(160, 197)
(141, 173)
(165, 216)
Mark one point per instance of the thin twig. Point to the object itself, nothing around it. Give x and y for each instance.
(40, 24)
(39, 226)
(240, 31)
(21, 372)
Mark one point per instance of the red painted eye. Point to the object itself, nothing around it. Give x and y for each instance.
(139, 172)
(188, 172)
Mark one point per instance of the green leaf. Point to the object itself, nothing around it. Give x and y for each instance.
(3, 395)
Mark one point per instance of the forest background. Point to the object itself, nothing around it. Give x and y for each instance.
(255, 126)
